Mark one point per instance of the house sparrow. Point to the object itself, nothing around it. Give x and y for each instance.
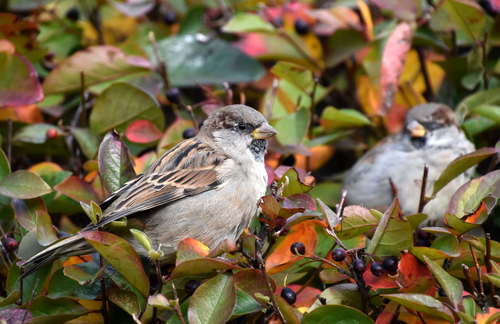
(206, 188)
(430, 138)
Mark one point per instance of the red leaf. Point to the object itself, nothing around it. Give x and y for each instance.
(77, 189)
(142, 131)
(189, 249)
(393, 59)
(305, 298)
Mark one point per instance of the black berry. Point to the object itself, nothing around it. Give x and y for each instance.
(277, 22)
(298, 248)
(390, 265)
(10, 243)
(73, 14)
(173, 95)
(289, 160)
(338, 254)
(358, 266)
(377, 269)
(191, 286)
(189, 133)
(301, 27)
(288, 295)
(170, 17)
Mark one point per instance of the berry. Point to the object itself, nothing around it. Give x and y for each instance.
(301, 27)
(359, 266)
(289, 295)
(51, 133)
(277, 22)
(191, 286)
(377, 269)
(170, 17)
(338, 254)
(189, 133)
(298, 248)
(173, 95)
(289, 160)
(390, 265)
(73, 14)
(10, 243)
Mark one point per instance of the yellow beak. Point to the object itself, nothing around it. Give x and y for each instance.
(416, 129)
(264, 131)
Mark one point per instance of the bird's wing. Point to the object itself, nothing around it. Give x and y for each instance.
(187, 169)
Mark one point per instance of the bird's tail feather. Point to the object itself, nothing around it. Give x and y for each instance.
(68, 246)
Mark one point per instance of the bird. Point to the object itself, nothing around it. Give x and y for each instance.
(430, 137)
(207, 187)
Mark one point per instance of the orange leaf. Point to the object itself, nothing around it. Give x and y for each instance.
(77, 260)
(304, 232)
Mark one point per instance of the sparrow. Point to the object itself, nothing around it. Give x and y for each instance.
(207, 188)
(430, 137)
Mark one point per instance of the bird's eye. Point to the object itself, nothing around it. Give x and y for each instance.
(244, 127)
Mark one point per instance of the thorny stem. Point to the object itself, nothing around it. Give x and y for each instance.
(422, 200)
(478, 270)
(160, 282)
(330, 263)
(176, 306)
(468, 280)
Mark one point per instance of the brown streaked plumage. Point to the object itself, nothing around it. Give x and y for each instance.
(206, 188)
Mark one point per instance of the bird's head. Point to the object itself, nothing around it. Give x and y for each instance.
(238, 129)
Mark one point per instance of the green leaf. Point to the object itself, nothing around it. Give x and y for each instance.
(77, 189)
(336, 314)
(488, 111)
(99, 64)
(247, 22)
(4, 165)
(126, 300)
(392, 234)
(290, 314)
(342, 294)
(299, 76)
(343, 44)
(475, 198)
(465, 16)
(35, 133)
(294, 185)
(422, 303)
(23, 185)
(201, 267)
(332, 118)
(474, 101)
(292, 128)
(462, 164)
(63, 286)
(198, 59)
(122, 256)
(88, 141)
(115, 166)
(59, 310)
(451, 285)
(245, 304)
(357, 220)
(19, 82)
(213, 302)
(121, 104)
(494, 278)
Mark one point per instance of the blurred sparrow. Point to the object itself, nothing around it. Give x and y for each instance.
(206, 188)
(430, 137)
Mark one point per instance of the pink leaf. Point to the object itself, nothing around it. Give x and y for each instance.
(142, 131)
(393, 60)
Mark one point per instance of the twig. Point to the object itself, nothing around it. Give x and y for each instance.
(270, 99)
(243, 97)
(422, 200)
(160, 282)
(487, 262)
(83, 101)
(4, 249)
(428, 93)
(478, 270)
(229, 93)
(312, 95)
(162, 66)
(360, 282)
(9, 141)
(469, 281)
(260, 264)
(421, 318)
(193, 118)
(178, 310)
(330, 263)
(484, 58)
(104, 309)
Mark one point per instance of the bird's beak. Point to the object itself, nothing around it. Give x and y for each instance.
(416, 129)
(264, 131)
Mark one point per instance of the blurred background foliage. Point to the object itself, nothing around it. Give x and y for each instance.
(333, 77)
